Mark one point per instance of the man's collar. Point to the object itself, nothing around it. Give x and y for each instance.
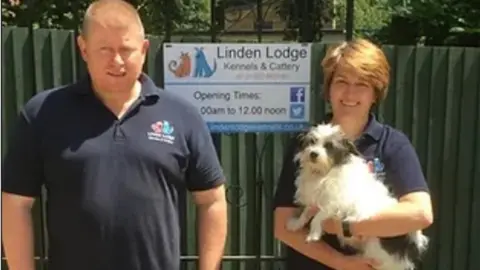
(149, 88)
(373, 128)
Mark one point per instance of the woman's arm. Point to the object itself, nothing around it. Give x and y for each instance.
(414, 209)
(319, 251)
(285, 208)
(413, 212)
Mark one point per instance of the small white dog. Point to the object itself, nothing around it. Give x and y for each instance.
(335, 178)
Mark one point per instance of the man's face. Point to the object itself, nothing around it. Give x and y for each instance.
(114, 55)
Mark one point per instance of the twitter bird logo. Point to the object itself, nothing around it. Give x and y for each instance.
(297, 111)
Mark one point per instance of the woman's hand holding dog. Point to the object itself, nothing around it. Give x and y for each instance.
(354, 262)
(357, 263)
(332, 226)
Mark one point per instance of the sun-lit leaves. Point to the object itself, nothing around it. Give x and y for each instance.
(434, 22)
(370, 15)
(61, 14)
(308, 16)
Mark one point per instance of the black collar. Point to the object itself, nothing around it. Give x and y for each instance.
(373, 129)
(84, 86)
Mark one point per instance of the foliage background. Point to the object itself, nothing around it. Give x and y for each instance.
(400, 22)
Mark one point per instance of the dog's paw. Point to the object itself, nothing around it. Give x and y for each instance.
(294, 224)
(313, 237)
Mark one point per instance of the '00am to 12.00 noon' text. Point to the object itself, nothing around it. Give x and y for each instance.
(242, 110)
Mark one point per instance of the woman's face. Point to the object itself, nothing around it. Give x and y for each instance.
(350, 95)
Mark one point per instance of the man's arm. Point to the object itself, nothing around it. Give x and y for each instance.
(22, 178)
(17, 231)
(205, 179)
(212, 230)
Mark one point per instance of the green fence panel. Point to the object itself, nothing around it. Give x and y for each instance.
(467, 235)
(434, 98)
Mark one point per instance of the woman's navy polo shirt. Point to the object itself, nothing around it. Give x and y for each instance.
(112, 185)
(392, 157)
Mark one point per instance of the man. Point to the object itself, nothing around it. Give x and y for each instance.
(113, 152)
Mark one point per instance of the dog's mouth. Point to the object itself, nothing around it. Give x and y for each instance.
(317, 168)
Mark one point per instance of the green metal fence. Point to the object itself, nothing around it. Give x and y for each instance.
(434, 98)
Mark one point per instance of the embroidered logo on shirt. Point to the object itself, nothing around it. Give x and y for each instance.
(162, 132)
(376, 166)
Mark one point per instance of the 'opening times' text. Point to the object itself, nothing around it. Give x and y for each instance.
(235, 109)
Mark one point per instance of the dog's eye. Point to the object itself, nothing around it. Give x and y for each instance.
(328, 145)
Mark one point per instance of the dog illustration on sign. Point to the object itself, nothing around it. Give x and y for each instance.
(202, 68)
(183, 68)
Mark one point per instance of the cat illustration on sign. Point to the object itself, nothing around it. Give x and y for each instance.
(202, 68)
(183, 68)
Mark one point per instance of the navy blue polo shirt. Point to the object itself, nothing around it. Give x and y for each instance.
(391, 156)
(112, 184)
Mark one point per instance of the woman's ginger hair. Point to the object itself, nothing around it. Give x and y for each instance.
(364, 58)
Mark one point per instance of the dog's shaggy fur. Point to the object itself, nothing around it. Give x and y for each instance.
(335, 178)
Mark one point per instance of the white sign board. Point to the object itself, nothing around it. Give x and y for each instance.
(243, 87)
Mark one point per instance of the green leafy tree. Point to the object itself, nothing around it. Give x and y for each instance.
(369, 15)
(44, 13)
(434, 22)
(308, 16)
(157, 15)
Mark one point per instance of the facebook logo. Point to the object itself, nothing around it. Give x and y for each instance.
(297, 94)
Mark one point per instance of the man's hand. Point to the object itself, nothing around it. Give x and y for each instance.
(357, 263)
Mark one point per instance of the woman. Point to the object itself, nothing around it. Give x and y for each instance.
(356, 78)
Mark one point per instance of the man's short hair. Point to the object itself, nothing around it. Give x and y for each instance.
(118, 8)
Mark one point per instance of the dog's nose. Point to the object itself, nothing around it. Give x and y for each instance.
(313, 155)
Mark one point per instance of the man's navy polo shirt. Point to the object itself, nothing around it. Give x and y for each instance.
(112, 185)
(390, 154)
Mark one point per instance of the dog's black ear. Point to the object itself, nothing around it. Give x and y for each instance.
(301, 140)
(350, 146)
(304, 140)
(338, 152)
